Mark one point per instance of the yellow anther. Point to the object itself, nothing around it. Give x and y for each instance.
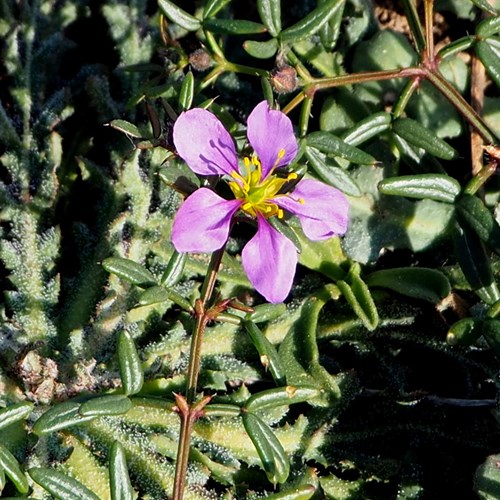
(301, 201)
(246, 205)
(292, 176)
(280, 213)
(246, 161)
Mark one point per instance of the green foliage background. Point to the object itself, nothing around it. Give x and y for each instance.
(377, 379)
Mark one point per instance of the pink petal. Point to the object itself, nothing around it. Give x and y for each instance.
(203, 221)
(324, 212)
(269, 260)
(204, 144)
(270, 131)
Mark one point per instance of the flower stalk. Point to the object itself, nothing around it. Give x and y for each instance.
(187, 407)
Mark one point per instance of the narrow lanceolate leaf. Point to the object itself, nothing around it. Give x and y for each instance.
(157, 294)
(187, 92)
(367, 129)
(267, 352)
(110, 404)
(270, 15)
(59, 417)
(488, 27)
(281, 396)
(437, 187)
(489, 52)
(330, 31)
(330, 144)
(10, 466)
(464, 332)
(330, 173)
(14, 413)
(272, 455)
(233, 26)
(358, 296)
(416, 134)
(475, 264)
(131, 371)
(417, 282)
(212, 7)
(477, 216)
(119, 480)
(126, 127)
(174, 270)
(129, 270)
(61, 485)
(312, 23)
(179, 16)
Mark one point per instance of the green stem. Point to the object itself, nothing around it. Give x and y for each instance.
(463, 107)
(187, 406)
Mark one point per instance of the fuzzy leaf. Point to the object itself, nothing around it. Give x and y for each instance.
(61, 485)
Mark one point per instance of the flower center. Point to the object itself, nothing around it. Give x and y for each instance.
(257, 193)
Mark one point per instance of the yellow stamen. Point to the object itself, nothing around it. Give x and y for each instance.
(258, 194)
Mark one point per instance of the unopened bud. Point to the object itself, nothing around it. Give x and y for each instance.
(284, 79)
(200, 60)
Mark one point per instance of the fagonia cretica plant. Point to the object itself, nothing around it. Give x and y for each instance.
(249, 249)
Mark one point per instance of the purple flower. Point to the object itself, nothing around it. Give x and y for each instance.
(203, 222)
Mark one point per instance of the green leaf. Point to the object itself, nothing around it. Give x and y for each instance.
(14, 413)
(312, 23)
(300, 355)
(281, 396)
(330, 172)
(60, 416)
(358, 296)
(273, 457)
(179, 16)
(10, 465)
(436, 187)
(174, 270)
(131, 371)
(267, 352)
(270, 15)
(488, 27)
(477, 216)
(464, 332)
(266, 312)
(489, 53)
(158, 294)
(261, 50)
(121, 488)
(329, 32)
(418, 282)
(330, 144)
(62, 486)
(101, 406)
(411, 131)
(233, 27)
(475, 264)
(486, 6)
(187, 92)
(126, 127)
(212, 7)
(286, 231)
(378, 221)
(367, 129)
(130, 271)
